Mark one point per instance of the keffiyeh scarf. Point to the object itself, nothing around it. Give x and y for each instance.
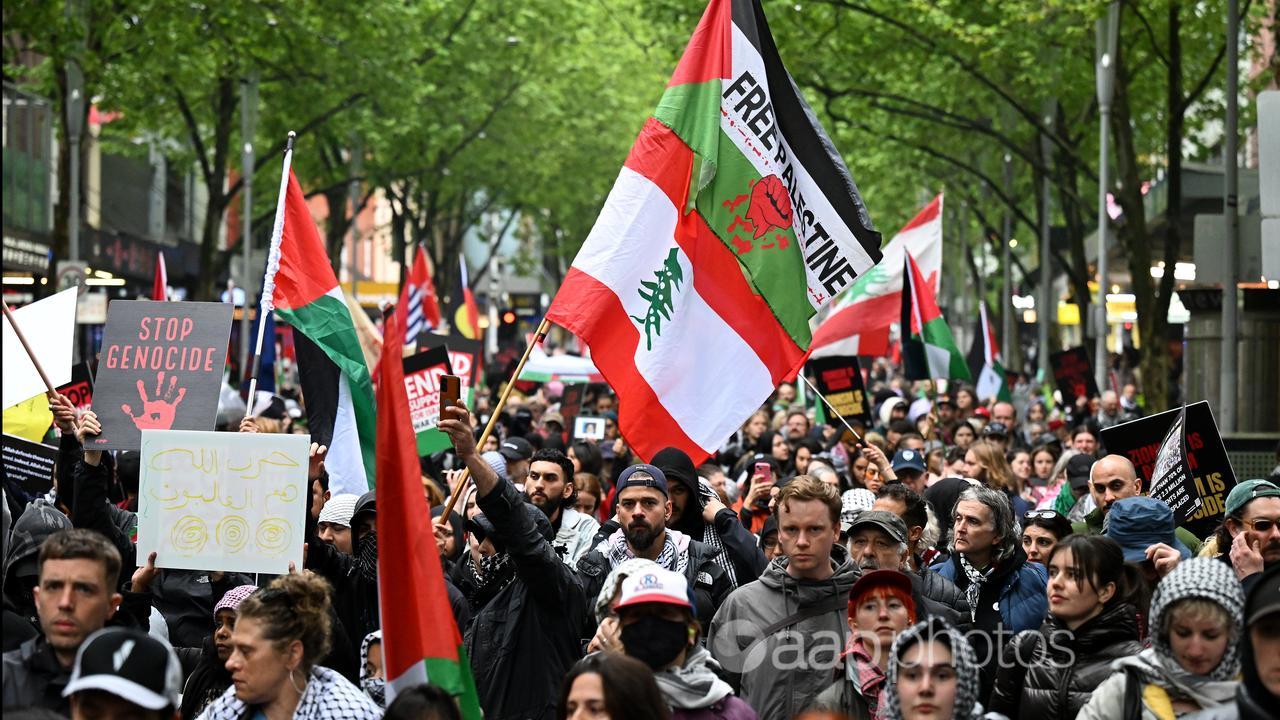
(976, 580)
(674, 555)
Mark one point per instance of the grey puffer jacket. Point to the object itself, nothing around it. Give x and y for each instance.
(781, 675)
(1050, 673)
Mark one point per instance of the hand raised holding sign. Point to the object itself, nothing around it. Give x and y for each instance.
(158, 412)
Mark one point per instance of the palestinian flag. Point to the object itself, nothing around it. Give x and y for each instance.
(858, 322)
(331, 365)
(731, 224)
(928, 350)
(984, 361)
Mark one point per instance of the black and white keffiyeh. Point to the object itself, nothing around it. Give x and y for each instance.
(674, 555)
(1207, 579)
(711, 536)
(974, 589)
(963, 660)
(327, 695)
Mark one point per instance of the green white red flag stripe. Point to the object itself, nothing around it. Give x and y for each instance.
(859, 320)
(335, 380)
(733, 221)
(928, 349)
(420, 638)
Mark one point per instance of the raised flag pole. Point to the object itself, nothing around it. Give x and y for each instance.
(52, 393)
(266, 303)
(538, 337)
(824, 400)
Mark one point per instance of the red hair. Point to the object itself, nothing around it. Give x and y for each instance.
(885, 592)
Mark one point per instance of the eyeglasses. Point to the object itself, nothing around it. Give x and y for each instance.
(1040, 515)
(1261, 524)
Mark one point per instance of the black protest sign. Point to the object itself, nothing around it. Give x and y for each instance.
(160, 368)
(1206, 457)
(80, 390)
(1073, 374)
(839, 379)
(571, 402)
(422, 385)
(1171, 478)
(28, 463)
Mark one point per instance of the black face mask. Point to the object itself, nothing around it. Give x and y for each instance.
(655, 641)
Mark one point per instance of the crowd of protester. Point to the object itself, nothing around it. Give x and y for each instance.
(958, 557)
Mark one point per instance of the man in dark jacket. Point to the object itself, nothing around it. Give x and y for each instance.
(878, 541)
(528, 606)
(914, 511)
(643, 504)
(698, 513)
(78, 574)
(354, 577)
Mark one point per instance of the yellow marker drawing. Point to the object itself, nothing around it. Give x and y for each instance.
(273, 535)
(232, 533)
(189, 535)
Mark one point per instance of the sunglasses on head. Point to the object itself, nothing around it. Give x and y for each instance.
(1040, 514)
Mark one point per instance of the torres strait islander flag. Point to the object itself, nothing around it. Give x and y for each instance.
(858, 322)
(335, 378)
(928, 350)
(731, 224)
(420, 637)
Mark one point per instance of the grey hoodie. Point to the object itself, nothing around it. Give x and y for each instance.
(781, 675)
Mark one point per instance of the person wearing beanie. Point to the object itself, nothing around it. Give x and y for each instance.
(210, 678)
(933, 672)
(643, 493)
(334, 524)
(696, 511)
(1197, 619)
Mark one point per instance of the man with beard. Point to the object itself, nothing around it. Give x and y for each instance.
(549, 487)
(878, 540)
(643, 510)
(528, 608)
(698, 513)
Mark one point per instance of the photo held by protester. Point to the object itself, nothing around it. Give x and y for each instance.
(321, 406)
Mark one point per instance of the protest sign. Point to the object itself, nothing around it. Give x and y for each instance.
(160, 368)
(49, 328)
(571, 402)
(839, 379)
(465, 357)
(1211, 476)
(1073, 374)
(30, 464)
(80, 390)
(422, 384)
(588, 428)
(235, 502)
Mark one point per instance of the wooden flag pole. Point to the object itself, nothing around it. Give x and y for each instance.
(538, 337)
(13, 323)
(266, 303)
(824, 400)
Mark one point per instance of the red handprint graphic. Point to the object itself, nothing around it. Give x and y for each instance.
(157, 413)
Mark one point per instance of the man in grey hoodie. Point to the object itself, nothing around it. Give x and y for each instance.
(779, 638)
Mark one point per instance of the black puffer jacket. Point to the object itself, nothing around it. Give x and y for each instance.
(1050, 673)
(941, 591)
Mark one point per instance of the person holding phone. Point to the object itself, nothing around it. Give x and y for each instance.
(761, 486)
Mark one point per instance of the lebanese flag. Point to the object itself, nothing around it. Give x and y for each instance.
(160, 285)
(418, 309)
(331, 365)
(732, 222)
(420, 638)
(984, 361)
(859, 320)
(928, 350)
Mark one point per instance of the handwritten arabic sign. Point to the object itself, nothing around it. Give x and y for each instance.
(160, 369)
(223, 501)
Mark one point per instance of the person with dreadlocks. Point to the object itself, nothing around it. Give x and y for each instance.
(697, 512)
(527, 605)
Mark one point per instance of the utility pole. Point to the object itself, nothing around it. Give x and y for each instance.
(353, 191)
(1006, 272)
(75, 126)
(248, 128)
(1230, 379)
(1047, 308)
(1105, 55)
